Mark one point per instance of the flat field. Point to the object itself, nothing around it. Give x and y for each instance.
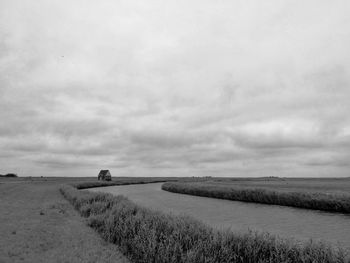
(38, 225)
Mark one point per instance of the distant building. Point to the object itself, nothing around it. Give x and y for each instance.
(104, 175)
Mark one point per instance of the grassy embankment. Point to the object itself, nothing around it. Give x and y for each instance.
(318, 201)
(37, 224)
(145, 235)
(314, 185)
(93, 184)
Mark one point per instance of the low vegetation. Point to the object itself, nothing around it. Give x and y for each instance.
(145, 235)
(93, 184)
(38, 225)
(8, 175)
(318, 201)
(315, 185)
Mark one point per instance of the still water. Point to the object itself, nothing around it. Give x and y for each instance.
(300, 224)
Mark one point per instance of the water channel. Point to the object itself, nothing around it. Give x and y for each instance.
(300, 224)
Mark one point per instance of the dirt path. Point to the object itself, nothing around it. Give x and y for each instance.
(38, 225)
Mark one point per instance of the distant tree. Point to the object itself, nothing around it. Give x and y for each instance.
(11, 175)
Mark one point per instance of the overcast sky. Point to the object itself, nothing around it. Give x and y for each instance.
(175, 88)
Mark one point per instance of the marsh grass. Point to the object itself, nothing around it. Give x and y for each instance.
(145, 235)
(93, 184)
(316, 201)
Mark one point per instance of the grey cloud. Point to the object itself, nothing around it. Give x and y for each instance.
(275, 141)
(175, 88)
(162, 139)
(59, 162)
(330, 159)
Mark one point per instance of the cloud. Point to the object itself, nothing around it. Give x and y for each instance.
(279, 134)
(175, 88)
(62, 162)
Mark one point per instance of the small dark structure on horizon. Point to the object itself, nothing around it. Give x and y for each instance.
(8, 175)
(104, 175)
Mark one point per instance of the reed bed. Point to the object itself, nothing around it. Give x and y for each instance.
(145, 235)
(93, 184)
(316, 201)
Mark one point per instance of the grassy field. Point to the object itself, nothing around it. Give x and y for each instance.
(149, 236)
(324, 185)
(38, 225)
(332, 195)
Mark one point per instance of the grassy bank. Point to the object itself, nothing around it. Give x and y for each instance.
(148, 236)
(318, 201)
(92, 184)
(37, 224)
(308, 185)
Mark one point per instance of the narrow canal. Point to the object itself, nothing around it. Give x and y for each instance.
(300, 224)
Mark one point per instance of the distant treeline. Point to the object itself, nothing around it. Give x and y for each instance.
(145, 235)
(8, 175)
(316, 201)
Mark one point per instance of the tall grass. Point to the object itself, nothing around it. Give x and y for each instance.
(93, 184)
(145, 235)
(317, 201)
